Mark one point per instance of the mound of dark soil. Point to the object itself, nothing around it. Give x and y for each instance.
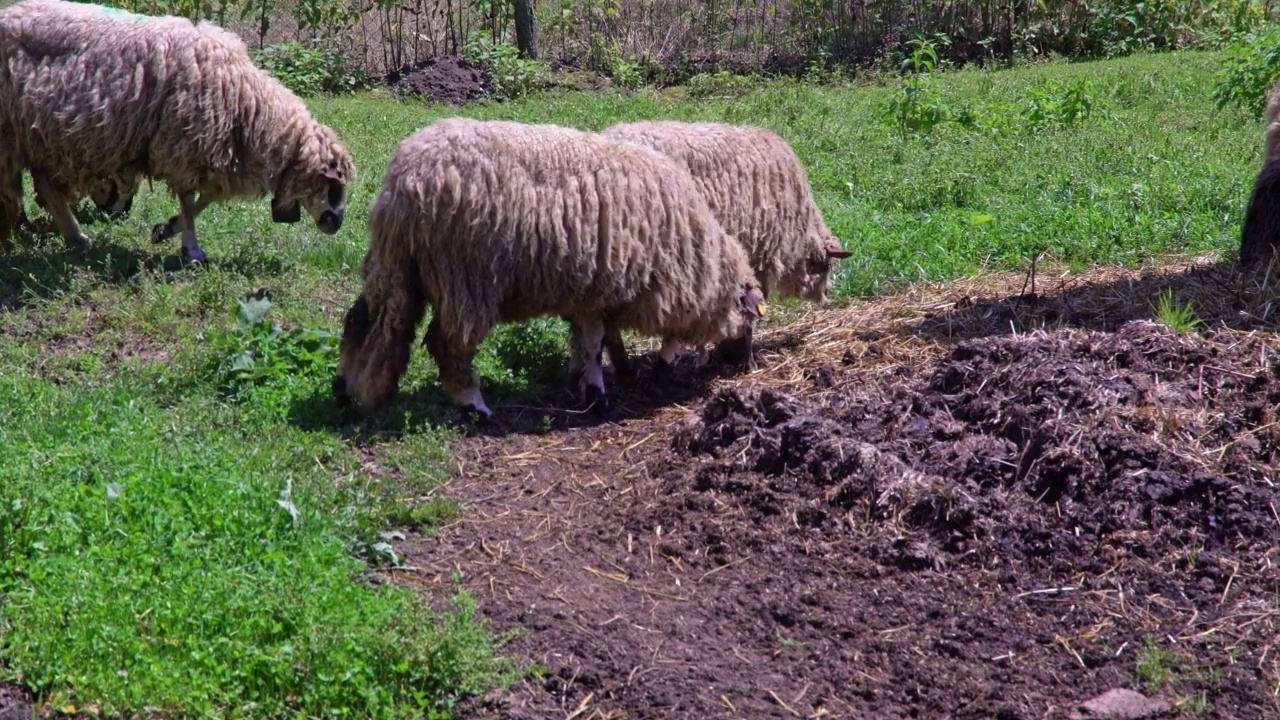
(446, 79)
(1011, 531)
(1034, 454)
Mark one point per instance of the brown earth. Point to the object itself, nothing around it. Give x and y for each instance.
(893, 521)
(15, 703)
(446, 79)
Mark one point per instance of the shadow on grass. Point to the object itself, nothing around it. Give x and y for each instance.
(38, 266)
(1220, 294)
(42, 272)
(546, 408)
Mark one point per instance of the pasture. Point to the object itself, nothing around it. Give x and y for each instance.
(942, 496)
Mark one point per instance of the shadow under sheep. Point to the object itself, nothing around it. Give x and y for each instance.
(1222, 294)
(551, 407)
(33, 273)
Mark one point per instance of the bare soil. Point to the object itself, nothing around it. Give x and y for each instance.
(16, 703)
(1005, 526)
(445, 79)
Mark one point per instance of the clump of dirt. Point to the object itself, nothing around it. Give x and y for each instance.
(445, 79)
(16, 703)
(1031, 452)
(1007, 532)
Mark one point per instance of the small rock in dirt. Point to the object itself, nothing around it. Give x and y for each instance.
(1121, 704)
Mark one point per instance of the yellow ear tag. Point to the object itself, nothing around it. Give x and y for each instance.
(762, 309)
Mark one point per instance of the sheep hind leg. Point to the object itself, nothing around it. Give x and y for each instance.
(457, 373)
(588, 351)
(59, 208)
(191, 251)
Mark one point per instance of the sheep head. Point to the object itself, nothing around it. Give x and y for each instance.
(377, 338)
(317, 180)
(114, 195)
(812, 281)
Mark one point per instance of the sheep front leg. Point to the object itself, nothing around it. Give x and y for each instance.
(12, 214)
(176, 224)
(190, 247)
(457, 374)
(60, 209)
(588, 348)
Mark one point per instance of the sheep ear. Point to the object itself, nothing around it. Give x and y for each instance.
(333, 174)
(837, 253)
(753, 303)
(287, 214)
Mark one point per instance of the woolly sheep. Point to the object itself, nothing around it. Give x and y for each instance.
(759, 191)
(1260, 233)
(88, 92)
(112, 195)
(492, 222)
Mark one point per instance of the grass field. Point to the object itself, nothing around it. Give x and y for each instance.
(180, 533)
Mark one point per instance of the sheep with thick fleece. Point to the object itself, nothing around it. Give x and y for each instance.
(759, 191)
(492, 222)
(88, 92)
(1260, 233)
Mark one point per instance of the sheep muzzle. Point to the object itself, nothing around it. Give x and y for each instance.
(340, 394)
(330, 222)
(286, 214)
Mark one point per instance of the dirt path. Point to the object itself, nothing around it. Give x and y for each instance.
(905, 513)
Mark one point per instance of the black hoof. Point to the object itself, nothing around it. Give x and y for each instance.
(159, 233)
(195, 256)
(81, 243)
(662, 371)
(479, 420)
(596, 400)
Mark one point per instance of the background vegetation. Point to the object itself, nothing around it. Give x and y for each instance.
(186, 522)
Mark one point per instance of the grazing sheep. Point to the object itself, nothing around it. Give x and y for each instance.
(112, 196)
(759, 191)
(492, 222)
(88, 92)
(1260, 233)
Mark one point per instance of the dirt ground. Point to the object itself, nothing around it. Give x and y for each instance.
(967, 501)
(447, 80)
(15, 703)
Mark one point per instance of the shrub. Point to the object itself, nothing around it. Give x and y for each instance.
(916, 105)
(721, 83)
(312, 70)
(1250, 70)
(510, 76)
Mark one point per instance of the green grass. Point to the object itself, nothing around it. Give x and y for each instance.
(150, 552)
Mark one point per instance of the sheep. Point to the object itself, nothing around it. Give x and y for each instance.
(492, 222)
(759, 191)
(1260, 232)
(88, 92)
(112, 196)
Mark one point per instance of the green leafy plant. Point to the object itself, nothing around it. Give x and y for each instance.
(720, 83)
(312, 69)
(1181, 317)
(1249, 71)
(510, 76)
(917, 106)
(256, 351)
